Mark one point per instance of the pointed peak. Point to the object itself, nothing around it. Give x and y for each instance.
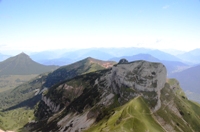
(22, 54)
(90, 58)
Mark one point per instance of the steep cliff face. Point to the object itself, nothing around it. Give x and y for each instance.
(140, 77)
(122, 98)
(53, 107)
(56, 99)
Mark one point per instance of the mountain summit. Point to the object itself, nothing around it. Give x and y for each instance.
(78, 68)
(22, 64)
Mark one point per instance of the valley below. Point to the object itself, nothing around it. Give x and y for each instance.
(8, 82)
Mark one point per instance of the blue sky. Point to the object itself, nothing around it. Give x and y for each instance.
(37, 25)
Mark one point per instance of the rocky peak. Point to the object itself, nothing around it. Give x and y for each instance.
(123, 61)
(136, 78)
(103, 90)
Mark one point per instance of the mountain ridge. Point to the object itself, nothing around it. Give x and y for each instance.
(191, 56)
(96, 102)
(22, 64)
(67, 57)
(83, 66)
(123, 97)
(31, 91)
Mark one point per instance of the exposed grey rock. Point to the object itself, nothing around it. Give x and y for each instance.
(139, 76)
(123, 61)
(122, 83)
(75, 123)
(52, 106)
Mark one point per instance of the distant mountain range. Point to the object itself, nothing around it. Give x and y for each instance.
(189, 79)
(59, 61)
(68, 57)
(146, 57)
(22, 64)
(3, 57)
(174, 52)
(172, 63)
(191, 56)
(64, 57)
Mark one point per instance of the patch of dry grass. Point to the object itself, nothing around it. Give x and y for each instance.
(8, 82)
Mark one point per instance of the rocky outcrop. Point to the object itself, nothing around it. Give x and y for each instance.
(95, 93)
(126, 81)
(52, 106)
(123, 61)
(73, 123)
(45, 108)
(137, 77)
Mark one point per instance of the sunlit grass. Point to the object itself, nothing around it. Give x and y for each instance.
(15, 119)
(8, 82)
(133, 116)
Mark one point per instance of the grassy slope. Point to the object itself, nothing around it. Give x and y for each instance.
(21, 93)
(187, 115)
(8, 82)
(24, 92)
(176, 113)
(15, 119)
(189, 79)
(78, 68)
(133, 116)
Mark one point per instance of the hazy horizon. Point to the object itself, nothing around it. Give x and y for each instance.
(63, 51)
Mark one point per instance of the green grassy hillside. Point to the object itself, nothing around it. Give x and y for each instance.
(134, 116)
(177, 111)
(78, 68)
(100, 101)
(8, 82)
(89, 97)
(21, 95)
(15, 119)
(189, 81)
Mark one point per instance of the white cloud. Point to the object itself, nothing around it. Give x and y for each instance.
(165, 7)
